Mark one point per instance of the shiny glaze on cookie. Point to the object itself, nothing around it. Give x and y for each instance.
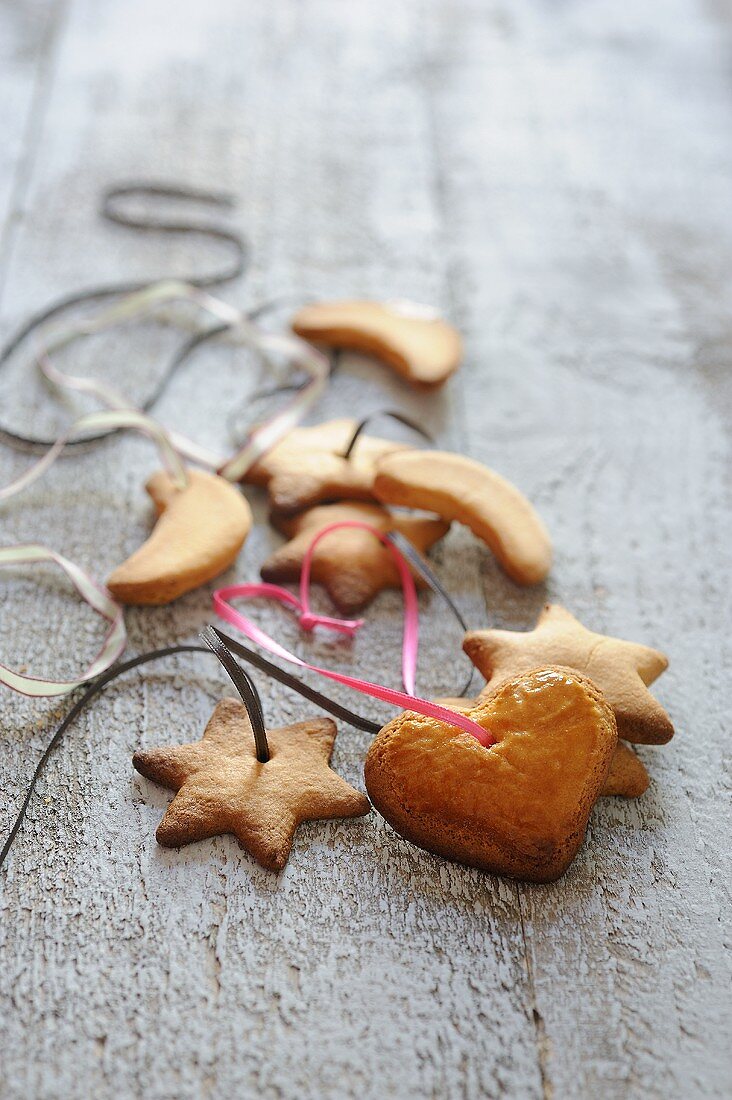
(519, 807)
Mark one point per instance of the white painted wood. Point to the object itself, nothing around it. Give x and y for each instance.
(557, 178)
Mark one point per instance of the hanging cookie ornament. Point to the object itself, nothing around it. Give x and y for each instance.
(326, 462)
(200, 530)
(351, 564)
(308, 621)
(243, 779)
(459, 488)
(409, 337)
(626, 778)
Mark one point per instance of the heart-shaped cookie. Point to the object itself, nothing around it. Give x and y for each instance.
(518, 808)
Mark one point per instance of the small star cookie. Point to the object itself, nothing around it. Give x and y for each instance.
(627, 777)
(307, 467)
(223, 788)
(351, 564)
(622, 670)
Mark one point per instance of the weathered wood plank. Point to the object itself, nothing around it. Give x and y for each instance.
(571, 230)
(301, 984)
(29, 34)
(536, 173)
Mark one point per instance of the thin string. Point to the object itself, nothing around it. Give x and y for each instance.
(395, 415)
(427, 573)
(94, 594)
(97, 293)
(245, 686)
(260, 439)
(266, 392)
(198, 339)
(222, 200)
(287, 679)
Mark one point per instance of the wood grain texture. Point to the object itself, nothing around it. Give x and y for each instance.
(557, 179)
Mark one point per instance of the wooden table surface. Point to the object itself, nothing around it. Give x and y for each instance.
(557, 178)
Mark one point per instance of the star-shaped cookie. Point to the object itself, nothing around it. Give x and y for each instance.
(622, 670)
(222, 787)
(351, 564)
(307, 467)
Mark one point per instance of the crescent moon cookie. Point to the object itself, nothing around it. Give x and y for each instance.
(307, 467)
(626, 778)
(622, 670)
(351, 564)
(521, 806)
(412, 339)
(223, 788)
(456, 487)
(199, 532)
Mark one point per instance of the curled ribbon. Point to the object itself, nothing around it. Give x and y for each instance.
(120, 412)
(95, 595)
(106, 420)
(406, 699)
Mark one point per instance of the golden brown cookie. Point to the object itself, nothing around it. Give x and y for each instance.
(199, 532)
(223, 788)
(627, 777)
(622, 670)
(456, 487)
(351, 564)
(412, 339)
(518, 808)
(307, 467)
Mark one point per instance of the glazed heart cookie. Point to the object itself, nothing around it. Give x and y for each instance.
(519, 808)
(626, 778)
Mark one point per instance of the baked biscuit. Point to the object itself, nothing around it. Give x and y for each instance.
(519, 808)
(307, 467)
(622, 670)
(223, 788)
(351, 564)
(456, 487)
(412, 339)
(198, 534)
(627, 777)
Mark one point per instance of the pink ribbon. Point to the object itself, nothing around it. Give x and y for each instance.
(407, 700)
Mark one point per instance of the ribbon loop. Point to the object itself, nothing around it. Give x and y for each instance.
(407, 699)
(98, 599)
